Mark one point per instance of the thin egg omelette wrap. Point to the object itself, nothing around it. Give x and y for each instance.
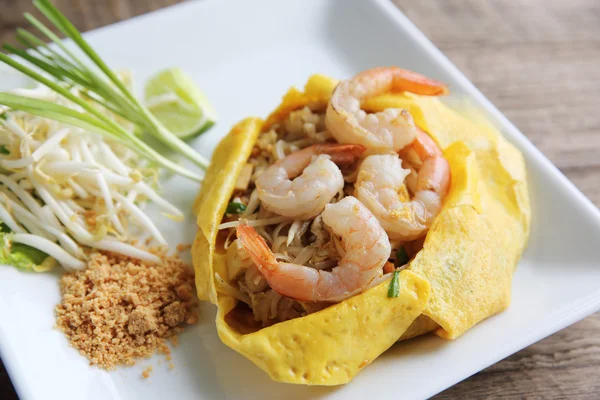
(461, 276)
(474, 245)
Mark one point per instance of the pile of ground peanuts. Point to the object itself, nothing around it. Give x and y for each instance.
(120, 309)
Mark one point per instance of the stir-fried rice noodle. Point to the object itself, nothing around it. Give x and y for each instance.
(305, 242)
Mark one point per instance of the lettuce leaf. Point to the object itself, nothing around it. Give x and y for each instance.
(19, 255)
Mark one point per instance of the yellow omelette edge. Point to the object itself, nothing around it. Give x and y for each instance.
(472, 249)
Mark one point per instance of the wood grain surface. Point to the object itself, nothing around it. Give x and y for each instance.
(538, 61)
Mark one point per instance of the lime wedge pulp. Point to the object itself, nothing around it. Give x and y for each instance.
(175, 100)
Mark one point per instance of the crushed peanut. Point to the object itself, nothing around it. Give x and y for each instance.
(183, 247)
(120, 309)
(174, 313)
(146, 373)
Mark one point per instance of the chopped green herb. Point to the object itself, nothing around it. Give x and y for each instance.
(235, 208)
(394, 289)
(4, 150)
(3, 116)
(401, 257)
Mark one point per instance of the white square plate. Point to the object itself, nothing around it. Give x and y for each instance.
(245, 55)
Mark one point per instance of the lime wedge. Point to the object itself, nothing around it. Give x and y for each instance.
(176, 101)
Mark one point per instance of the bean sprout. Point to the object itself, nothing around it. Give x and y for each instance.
(63, 189)
(50, 248)
(255, 223)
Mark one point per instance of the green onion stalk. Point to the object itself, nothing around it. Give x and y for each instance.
(394, 288)
(98, 88)
(235, 208)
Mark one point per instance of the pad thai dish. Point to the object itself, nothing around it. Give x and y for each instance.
(359, 213)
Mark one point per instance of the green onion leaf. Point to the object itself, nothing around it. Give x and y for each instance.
(394, 289)
(87, 121)
(235, 208)
(62, 68)
(401, 257)
(4, 150)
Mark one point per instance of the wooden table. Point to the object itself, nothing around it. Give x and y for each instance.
(539, 62)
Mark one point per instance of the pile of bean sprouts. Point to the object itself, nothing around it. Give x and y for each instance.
(64, 190)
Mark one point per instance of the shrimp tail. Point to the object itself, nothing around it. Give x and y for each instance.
(342, 153)
(414, 82)
(257, 248)
(407, 81)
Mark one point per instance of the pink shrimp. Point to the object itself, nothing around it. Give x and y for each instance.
(315, 179)
(380, 182)
(388, 130)
(366, 247)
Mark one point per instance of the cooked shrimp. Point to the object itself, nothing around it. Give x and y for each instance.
(305, 196)
(389, 130)
(366, 247)
(380, 186)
